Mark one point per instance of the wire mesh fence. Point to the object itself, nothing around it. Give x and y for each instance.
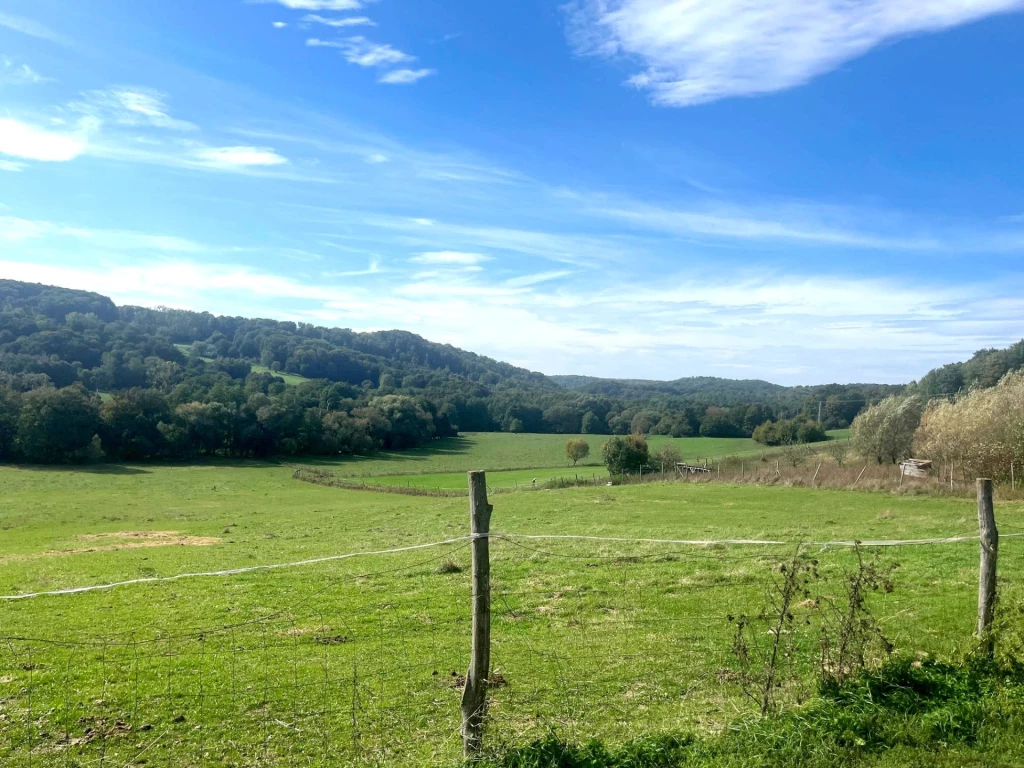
(364, 664)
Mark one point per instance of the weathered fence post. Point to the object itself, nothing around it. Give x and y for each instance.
(474, 696)
(987, 571)
(861, 474)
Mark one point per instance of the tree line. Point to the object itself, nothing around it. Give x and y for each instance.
(156, 383)
(979, 432)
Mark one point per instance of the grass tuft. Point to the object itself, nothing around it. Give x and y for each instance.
(448, 567)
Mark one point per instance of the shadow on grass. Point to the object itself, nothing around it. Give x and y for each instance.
(448, 446)
(116, 468)
(91, 469)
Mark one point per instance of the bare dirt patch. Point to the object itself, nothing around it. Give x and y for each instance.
(137, 540)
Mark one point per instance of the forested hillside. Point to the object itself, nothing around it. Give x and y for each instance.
(984, 369)
(80, 376)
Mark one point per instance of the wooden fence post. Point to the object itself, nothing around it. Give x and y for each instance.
(987, 571)
(474, 696)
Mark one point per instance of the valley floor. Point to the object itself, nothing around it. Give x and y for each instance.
(358, 660)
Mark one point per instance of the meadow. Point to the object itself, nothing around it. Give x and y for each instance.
(498, 451)
(357, 661)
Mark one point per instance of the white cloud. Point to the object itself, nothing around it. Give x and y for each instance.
(349, 21)
(697, 52)
(315, 42)
(239, 157)
(15, 230)
(376, 158)
(131, 241)
(450, 258)
(785, 326)
(318, 5)
(12, 167)
(373, 268)
(583, 250)
(359, 50)
(28, 142)
(279, 24)
(132, 106)
(12, 73)
(405, 76)
(794, 223)
(524, 281)
(29, 27)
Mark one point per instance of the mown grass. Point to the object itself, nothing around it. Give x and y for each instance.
(352, 661)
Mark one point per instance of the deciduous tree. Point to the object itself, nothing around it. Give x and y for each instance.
(576, 449)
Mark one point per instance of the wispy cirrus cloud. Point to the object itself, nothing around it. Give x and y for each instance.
(451, 258)
(783, 222)
(231, 158)
(131, 106)
(30, 27)
(317, 5)
(14, 229)
(700, 52)
(13, 73)
(362, 52)
(133, 125)
(405, 76)
(348, 21)
(676, 325)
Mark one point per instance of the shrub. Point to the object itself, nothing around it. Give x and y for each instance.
(788, 432)
(885, 432)
(625, 455)
(666, 457)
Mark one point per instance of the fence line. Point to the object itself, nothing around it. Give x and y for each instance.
(510, 536)
(310, 685)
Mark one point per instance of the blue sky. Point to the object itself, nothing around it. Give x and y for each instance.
(802, 191)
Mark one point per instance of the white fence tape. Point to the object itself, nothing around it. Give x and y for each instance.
(510, 536)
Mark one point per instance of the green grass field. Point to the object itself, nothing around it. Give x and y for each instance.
(291, 379)
(503, 451)
(352, 661)
(519, 460)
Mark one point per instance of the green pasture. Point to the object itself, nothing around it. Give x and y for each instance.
(356, 661)
(508, 480)
(503, 451)
(290, 379)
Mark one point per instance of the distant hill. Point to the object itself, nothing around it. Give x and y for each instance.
(247, 386)
(722, 391)
(306, 350)
(985, 368)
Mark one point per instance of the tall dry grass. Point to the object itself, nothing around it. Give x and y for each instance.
(981, 433)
